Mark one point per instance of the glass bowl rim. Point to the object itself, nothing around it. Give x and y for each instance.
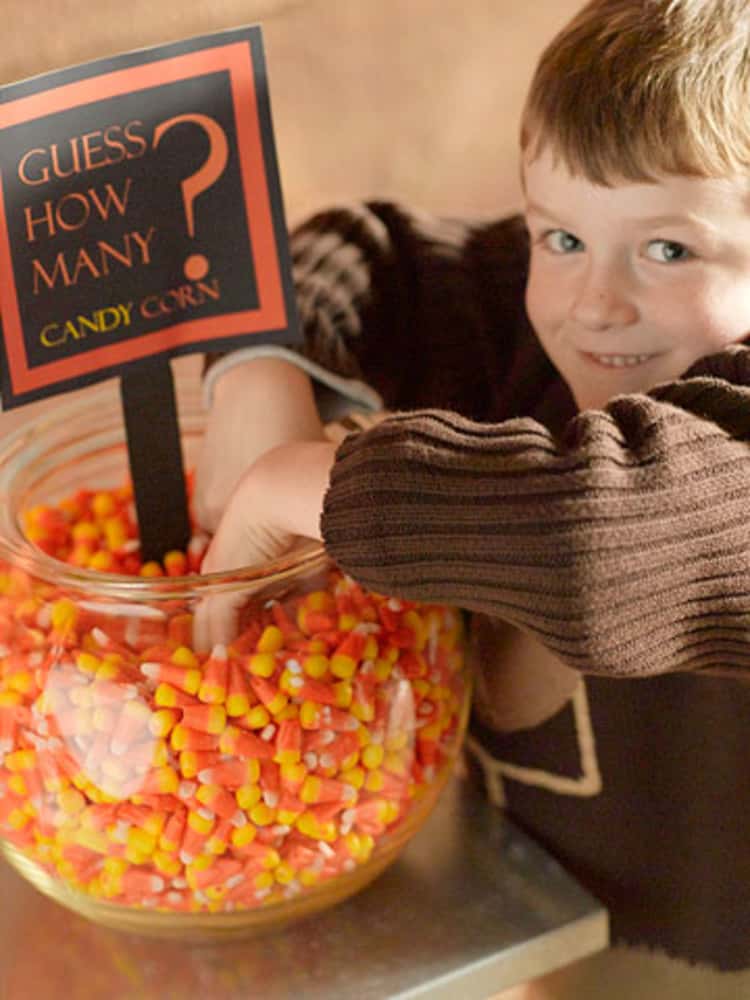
(19, 551)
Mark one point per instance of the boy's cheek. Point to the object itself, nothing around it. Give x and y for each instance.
(545, 287)
(532, 298)
(543, 307)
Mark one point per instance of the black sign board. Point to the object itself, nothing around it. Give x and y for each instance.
(140, 218)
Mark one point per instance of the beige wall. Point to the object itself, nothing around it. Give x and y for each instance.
(413, 99)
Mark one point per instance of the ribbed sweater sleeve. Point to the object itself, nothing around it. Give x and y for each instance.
(621, 543)
(392, 297)
(372, 281)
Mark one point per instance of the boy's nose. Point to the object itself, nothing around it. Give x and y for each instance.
(601, 304)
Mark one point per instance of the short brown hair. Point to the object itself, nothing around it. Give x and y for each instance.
(632, 89)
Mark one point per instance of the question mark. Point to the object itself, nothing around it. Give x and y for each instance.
(196, 266)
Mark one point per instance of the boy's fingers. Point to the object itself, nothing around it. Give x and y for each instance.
(233, 547)
(281, 490)
(216, 620)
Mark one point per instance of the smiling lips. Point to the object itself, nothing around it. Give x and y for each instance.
(619, 360)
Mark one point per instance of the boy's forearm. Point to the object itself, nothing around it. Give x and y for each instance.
(620, 546)
(261, 383)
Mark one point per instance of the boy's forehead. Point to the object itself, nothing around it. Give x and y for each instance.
(547, 183)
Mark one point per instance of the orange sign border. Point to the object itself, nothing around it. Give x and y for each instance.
(236, 57)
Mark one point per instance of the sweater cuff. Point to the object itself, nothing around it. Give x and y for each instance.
(334, 394)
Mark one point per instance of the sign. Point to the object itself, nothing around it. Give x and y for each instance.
(140, 218)
(140, 213)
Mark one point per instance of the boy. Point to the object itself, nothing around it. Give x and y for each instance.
(568, 457)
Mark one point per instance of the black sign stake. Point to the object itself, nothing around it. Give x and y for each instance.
(154, 447)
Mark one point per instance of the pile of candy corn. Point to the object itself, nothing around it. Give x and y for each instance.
(142, 772)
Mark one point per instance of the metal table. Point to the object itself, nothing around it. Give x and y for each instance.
(472, 907)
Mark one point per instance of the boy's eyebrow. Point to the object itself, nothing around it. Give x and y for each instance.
(648, 220)
(679, 220)
(532, 206)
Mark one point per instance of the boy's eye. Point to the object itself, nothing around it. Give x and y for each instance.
(667, 251)
(560, 241)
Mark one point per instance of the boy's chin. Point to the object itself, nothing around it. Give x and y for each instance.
(592, 399)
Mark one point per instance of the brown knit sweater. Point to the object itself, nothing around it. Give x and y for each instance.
(613, 542)
(619, 538)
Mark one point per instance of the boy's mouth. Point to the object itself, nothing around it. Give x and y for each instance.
(618, 360)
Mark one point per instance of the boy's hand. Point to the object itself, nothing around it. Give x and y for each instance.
(280, 498)
(257, 406)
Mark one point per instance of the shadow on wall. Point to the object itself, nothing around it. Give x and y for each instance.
(413, 99)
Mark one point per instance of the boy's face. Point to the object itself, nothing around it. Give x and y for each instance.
(630, 285)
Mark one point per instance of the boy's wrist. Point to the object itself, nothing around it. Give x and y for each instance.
(290, 482)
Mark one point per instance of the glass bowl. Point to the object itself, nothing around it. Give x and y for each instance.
(160, 790)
